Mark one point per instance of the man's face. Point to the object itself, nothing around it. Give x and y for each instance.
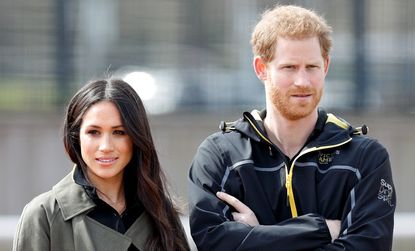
(294, 79)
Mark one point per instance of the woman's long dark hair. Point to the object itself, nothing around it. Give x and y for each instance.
(168, 233)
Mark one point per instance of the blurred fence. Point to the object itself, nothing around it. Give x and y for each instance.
(48, 48)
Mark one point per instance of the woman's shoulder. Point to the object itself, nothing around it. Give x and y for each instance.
(41, 206)
(44, 204)
(35, 222)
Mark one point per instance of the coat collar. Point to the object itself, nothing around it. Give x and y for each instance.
(88, 233)
(71, 197)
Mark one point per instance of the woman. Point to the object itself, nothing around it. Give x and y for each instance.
(115, 198)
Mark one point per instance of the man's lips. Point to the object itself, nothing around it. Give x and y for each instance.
(301, 95)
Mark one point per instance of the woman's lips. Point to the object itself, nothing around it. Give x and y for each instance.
(106, 161)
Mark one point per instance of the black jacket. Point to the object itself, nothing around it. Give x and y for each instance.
(339, 174)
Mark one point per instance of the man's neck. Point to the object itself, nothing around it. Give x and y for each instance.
(289, 135)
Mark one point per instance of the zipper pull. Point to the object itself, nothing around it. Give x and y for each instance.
(288, 194)
(287, 185)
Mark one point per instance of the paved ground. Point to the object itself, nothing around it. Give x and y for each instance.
(404, 237)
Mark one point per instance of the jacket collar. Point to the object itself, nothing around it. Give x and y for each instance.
(71, 197)
(328, 130)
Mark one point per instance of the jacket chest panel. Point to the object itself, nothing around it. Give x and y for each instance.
(262, 189)
(315, 187)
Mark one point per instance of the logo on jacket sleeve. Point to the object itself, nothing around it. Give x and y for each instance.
(385, 192)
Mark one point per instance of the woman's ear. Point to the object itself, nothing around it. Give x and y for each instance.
(260, 67)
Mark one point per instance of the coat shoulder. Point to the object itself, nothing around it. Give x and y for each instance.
(43, 206)
(33, 229)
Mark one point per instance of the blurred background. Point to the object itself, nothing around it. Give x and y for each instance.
(190, 61)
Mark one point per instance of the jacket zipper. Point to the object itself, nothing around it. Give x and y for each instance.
(289, 175)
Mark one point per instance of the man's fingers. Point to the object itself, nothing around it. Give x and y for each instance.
(334, 228)
(238, 217)
(243, 213)
(234, 202)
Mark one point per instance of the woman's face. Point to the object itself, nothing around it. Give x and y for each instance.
(105, 147)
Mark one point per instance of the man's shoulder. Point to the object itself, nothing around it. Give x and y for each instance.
(368, 143)
(225, 137)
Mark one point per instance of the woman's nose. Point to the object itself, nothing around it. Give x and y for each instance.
(106, 143)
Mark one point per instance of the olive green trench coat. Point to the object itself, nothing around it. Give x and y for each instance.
(56, 220)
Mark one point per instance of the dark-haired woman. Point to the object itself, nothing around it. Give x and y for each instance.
(115, 198)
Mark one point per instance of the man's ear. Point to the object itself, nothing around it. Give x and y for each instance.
(260, 67)
(326, 65)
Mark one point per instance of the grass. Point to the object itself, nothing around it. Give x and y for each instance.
(27, 95)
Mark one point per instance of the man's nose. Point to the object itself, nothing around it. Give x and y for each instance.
(302, 78)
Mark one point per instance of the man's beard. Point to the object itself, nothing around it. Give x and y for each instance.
(294, 110)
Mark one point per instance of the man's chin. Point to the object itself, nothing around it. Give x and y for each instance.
(298, 114)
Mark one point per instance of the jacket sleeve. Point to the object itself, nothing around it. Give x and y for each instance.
(32, 233)
(367, 223)
(212, 229)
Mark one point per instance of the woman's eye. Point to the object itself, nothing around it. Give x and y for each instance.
(93, 132)
(119, 132)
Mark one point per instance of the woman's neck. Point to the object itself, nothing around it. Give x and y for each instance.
(110, 191)
(116, 201)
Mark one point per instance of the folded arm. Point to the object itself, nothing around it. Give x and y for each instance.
(214, 227)
(368, 225)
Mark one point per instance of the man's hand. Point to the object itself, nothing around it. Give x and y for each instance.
(334, 228)
(244, 214)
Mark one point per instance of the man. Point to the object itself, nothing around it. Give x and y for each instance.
(292, 177)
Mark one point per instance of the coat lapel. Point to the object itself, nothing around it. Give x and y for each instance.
(71, 197)
(140, 230)
(94, 236)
